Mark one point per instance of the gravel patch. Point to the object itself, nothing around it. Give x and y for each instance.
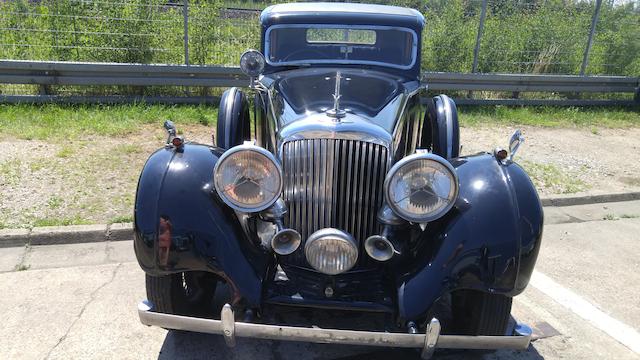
(601, 162)
(94, 180)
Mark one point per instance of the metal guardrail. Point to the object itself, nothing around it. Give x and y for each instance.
(47, 73)
(77, 73)
(537, 83)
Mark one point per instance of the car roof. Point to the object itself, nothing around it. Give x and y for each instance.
(342, 13)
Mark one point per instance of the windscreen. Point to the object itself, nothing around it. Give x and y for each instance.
(341, 44)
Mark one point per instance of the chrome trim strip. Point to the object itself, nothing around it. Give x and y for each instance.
(320, 126)
(520, 339)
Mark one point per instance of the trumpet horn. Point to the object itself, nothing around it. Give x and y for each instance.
(285, 241)
(379, 248)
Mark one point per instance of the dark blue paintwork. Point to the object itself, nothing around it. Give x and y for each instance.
(488, 242)
(345, 14)
(205, 234)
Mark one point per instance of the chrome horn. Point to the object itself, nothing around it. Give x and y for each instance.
(379, 248)
(285, 241)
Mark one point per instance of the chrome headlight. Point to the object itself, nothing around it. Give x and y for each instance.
(248, 178)
(421, 187)
(252, 63)
(331, 251)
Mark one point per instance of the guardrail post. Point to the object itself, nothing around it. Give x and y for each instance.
(185, 15)
(594, 22)
(476, 50)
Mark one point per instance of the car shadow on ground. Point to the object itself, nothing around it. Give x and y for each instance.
(188, 345)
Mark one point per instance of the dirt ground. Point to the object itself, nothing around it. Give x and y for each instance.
(94, 180)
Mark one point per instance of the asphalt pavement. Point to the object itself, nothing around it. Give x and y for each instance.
(78, 301)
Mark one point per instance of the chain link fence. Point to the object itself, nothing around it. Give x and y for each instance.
(577, 37)
(516, 36)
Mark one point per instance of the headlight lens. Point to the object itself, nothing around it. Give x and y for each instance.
(421, 187)
(252, 63)
(248, 178)
(331, 251)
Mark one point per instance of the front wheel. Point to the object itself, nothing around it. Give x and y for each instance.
(188, 293)
(479, 313)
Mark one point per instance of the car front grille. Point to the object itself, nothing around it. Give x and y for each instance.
(333, 183)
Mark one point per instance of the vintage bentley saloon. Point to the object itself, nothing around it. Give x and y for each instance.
(342, 210)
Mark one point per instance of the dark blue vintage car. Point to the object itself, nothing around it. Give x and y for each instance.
(345, 197)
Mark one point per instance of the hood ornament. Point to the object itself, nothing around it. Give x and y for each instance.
(336, 112)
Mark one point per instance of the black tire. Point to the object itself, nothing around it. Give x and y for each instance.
(441, 131)
(479, 313)
(188, 293)
(234, 123)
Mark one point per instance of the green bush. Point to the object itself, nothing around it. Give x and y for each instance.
(524, 36)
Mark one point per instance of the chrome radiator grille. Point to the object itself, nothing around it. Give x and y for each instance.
(333, 183)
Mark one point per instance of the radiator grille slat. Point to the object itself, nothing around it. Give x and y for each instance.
(333, 183)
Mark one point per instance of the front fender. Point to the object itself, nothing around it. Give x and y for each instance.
(488, 242)
(181, 224)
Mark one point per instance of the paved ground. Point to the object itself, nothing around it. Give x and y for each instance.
(79, 301)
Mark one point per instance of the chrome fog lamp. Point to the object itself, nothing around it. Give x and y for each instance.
(331, 251)
(248, 178)
(252, 63)
(421, 187)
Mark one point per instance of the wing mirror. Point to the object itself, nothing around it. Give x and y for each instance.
(252, 64)
(514, 143)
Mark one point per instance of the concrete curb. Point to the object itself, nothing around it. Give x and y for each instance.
(51, 235)
(570, 200)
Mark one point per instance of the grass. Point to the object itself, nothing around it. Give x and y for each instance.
(121, 219)
(55, 202)
(10, 171)
(65, 152)
(60, 123)
(76, 220)
(591, 118)
(551, 177)
(22, 267)
(622, 216)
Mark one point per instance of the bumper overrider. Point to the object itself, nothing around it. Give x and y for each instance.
(428, 342)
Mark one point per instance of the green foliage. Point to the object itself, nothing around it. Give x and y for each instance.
(449, 47)
(121, 219)
(61, 123)
(65, 221)
(586, 117)
(528, 36)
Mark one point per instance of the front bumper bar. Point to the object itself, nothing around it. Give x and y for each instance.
(432, 339)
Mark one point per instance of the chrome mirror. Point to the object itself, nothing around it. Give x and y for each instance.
(514, 143)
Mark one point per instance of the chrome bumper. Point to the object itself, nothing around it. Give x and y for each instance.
(431, 340)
